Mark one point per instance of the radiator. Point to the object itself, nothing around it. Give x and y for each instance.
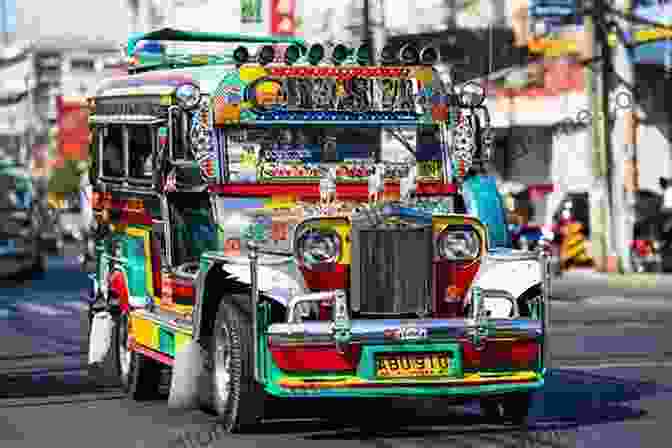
(391, 270)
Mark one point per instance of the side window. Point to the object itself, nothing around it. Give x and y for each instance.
(141, 142)
(113, 151)
(137, 272)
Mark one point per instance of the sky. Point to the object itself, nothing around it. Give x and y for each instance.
(98, 19)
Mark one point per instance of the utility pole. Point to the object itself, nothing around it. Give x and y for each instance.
(366, 31)
(601, 194)
(451, 14)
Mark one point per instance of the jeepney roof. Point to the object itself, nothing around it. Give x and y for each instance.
(201, 36)
(164, 82)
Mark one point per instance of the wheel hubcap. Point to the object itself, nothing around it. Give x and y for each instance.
(223, 363)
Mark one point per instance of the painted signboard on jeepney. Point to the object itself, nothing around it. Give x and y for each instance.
(328, 93)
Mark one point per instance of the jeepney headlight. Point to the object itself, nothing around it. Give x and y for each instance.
(459, 244)
(314, 247)
(188, 96)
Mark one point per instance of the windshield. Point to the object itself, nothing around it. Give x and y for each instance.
(304, 153)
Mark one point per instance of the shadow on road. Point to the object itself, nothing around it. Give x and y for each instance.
(572, 400)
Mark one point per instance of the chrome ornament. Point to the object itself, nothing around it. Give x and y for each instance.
(406, 334)
(376, 182)
(341, 321)
(328, 187)
(408, 184)
(487, 144)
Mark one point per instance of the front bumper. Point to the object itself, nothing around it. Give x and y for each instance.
(462, 337)
(377, 337)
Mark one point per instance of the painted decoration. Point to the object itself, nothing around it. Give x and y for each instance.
(204, 144)
(250, 11)
(331, 93)
(283, 19)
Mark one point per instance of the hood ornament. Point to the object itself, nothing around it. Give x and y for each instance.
(408, 184)
(376, 182)
(328, 187)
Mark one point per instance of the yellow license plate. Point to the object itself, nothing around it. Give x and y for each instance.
(413, 365)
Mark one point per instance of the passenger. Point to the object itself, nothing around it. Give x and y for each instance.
(113, 158)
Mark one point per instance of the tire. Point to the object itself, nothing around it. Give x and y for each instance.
(144, 378)
(512, 408)
(238, 399)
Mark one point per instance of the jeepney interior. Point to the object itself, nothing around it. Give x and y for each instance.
(128, 153)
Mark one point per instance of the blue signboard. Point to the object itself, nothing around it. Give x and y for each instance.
(552, 8)
(8, 18)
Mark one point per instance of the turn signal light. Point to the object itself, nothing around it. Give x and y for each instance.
(292, 54)
(315, 54)
(339, 54)
(315, 357)
(387, 55)
(409, 54)
(429, 56)
(241, 55)
(362, 54)
(516, 355)
(266, 55)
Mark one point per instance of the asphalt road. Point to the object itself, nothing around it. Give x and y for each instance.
(610, 385)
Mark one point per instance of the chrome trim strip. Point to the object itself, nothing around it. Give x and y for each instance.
(545, 271)
(254, 298)
(373, 331)
(125, 119)
(167, 233)
(314, 297)
(153, 317)
(197, 312)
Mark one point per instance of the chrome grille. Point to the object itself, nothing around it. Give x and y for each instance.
(391, 270)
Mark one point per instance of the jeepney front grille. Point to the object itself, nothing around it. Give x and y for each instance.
(391, 270)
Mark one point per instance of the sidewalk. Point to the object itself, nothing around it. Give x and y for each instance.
(580, 284)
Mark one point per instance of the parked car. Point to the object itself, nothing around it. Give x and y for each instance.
(21, 221)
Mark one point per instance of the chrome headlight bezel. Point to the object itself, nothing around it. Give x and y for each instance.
(188, 96)
(447, 240)
(308, 238)
(499, 306)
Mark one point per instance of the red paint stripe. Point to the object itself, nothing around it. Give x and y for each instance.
(345, 191)
(160, 357)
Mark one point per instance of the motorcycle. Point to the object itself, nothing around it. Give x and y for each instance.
(651, 247)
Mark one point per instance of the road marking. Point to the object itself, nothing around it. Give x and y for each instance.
(75, 304)
(616, 301)
(43, 309)
(615, 365)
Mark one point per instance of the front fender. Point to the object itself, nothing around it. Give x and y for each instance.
(513, 276)
(278, 282)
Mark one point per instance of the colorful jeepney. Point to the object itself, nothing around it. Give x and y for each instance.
(252, 234)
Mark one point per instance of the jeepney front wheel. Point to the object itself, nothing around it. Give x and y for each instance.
(237, 398)
(512, 408)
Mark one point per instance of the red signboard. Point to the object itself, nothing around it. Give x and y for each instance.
(283, 17)
(73, 128)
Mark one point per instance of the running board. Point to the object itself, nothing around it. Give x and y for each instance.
(161, 332)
